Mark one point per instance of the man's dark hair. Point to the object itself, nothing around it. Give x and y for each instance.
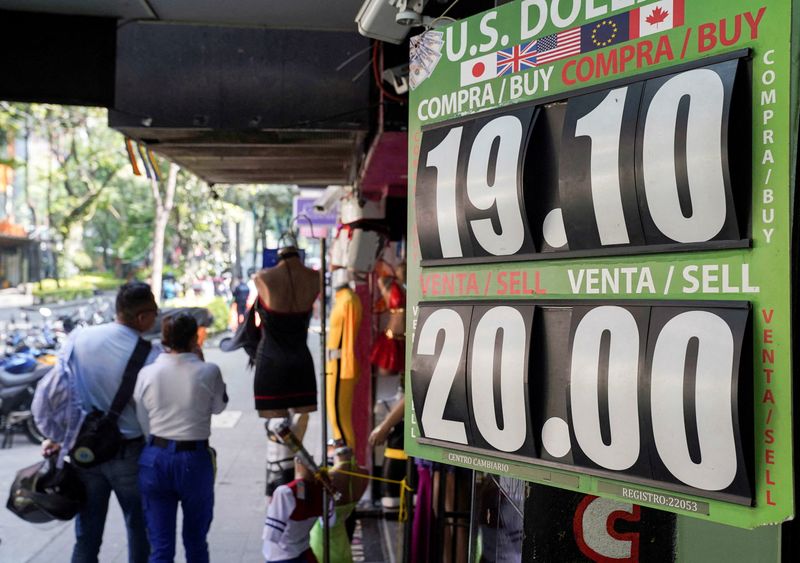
(133, 298)
(178, 331)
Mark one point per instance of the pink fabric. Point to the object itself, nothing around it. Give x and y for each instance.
(423, 516)
(362, 397)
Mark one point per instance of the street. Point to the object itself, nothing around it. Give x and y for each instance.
(239, 439)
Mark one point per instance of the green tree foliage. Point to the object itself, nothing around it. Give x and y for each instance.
(270, 207)
(74, 160)
(120, 229)
(80, 185)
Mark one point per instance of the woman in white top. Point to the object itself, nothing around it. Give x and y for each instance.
(175, 398)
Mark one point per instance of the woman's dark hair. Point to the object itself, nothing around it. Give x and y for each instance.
(178, 331)
(133, 298)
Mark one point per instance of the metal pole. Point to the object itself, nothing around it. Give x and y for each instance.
(472, 508)
(323, 313)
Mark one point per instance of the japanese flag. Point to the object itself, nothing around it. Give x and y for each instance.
(479, 69)
(656, 17)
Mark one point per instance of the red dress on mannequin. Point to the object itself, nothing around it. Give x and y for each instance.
(389, 350)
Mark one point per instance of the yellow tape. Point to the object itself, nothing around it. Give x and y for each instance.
(402, 516)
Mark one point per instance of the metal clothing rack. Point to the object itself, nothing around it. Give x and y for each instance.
(323, 313)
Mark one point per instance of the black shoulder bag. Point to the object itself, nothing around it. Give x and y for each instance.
(99, 439)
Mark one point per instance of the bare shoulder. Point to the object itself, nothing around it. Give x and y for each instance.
(311, 274)
(264, 275)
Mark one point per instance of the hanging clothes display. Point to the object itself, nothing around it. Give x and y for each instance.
(424, 520)
(342, 369)
(389, 350)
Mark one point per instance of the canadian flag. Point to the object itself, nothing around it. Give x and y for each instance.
(656, 17)
(479, 69)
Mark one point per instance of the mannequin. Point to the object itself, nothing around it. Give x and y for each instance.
(291, 514)
(285, 379)
(280, 458)
(389, 350)
(342, 369)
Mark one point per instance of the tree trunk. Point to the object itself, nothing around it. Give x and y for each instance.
(163, 209)
(51, 234)
(158, 254)
(237, 256)
(56, 259)
(257, 238)
(26, 183)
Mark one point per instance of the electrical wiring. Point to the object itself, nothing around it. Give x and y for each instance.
(379, 80)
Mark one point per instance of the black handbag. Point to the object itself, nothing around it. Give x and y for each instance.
(99, 439)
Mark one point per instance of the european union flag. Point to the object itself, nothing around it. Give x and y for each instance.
(604, 33)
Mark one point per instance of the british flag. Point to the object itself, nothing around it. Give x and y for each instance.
(517, 58)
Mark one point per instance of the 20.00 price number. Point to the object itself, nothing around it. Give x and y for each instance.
(651, 393)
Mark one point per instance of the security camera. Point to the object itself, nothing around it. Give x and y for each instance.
(408, 18)
(328, 200)
(409, 12)
(384, 20)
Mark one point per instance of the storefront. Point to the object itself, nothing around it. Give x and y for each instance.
(19, 261)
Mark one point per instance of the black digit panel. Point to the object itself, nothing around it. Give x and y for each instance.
(597, 184)
(497, 378)
(438, 384)
(700, 408)
(469, 198)
(438, 200)
(606, 361)
(540, 179)
(683, 169)
(491, 184)
(549, 382)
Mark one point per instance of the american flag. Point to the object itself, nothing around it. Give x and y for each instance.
(516, 58)
(558, 46)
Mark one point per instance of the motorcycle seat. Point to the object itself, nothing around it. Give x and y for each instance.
(15, 380)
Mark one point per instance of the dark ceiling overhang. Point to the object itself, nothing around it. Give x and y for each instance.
(241, 91)
(236, 105)
(329, 15)
(58, 59)
(313, 158)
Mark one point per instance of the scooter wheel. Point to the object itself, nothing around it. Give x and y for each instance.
(32, 432)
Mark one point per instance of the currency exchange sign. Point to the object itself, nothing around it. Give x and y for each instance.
(600, 250)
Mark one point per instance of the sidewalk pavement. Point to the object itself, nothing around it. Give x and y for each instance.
(14, 299)
(239, 438)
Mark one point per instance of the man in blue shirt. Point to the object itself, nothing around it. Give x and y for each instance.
(99, 355)
(240, 294)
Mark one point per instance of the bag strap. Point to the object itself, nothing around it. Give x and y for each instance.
(125, 391)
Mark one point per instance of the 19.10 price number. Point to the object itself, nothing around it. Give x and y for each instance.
(660, 164)
(641, 392)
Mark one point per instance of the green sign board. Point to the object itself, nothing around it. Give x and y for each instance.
(599, 254)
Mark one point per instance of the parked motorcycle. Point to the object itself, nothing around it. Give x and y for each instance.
(19, 375)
